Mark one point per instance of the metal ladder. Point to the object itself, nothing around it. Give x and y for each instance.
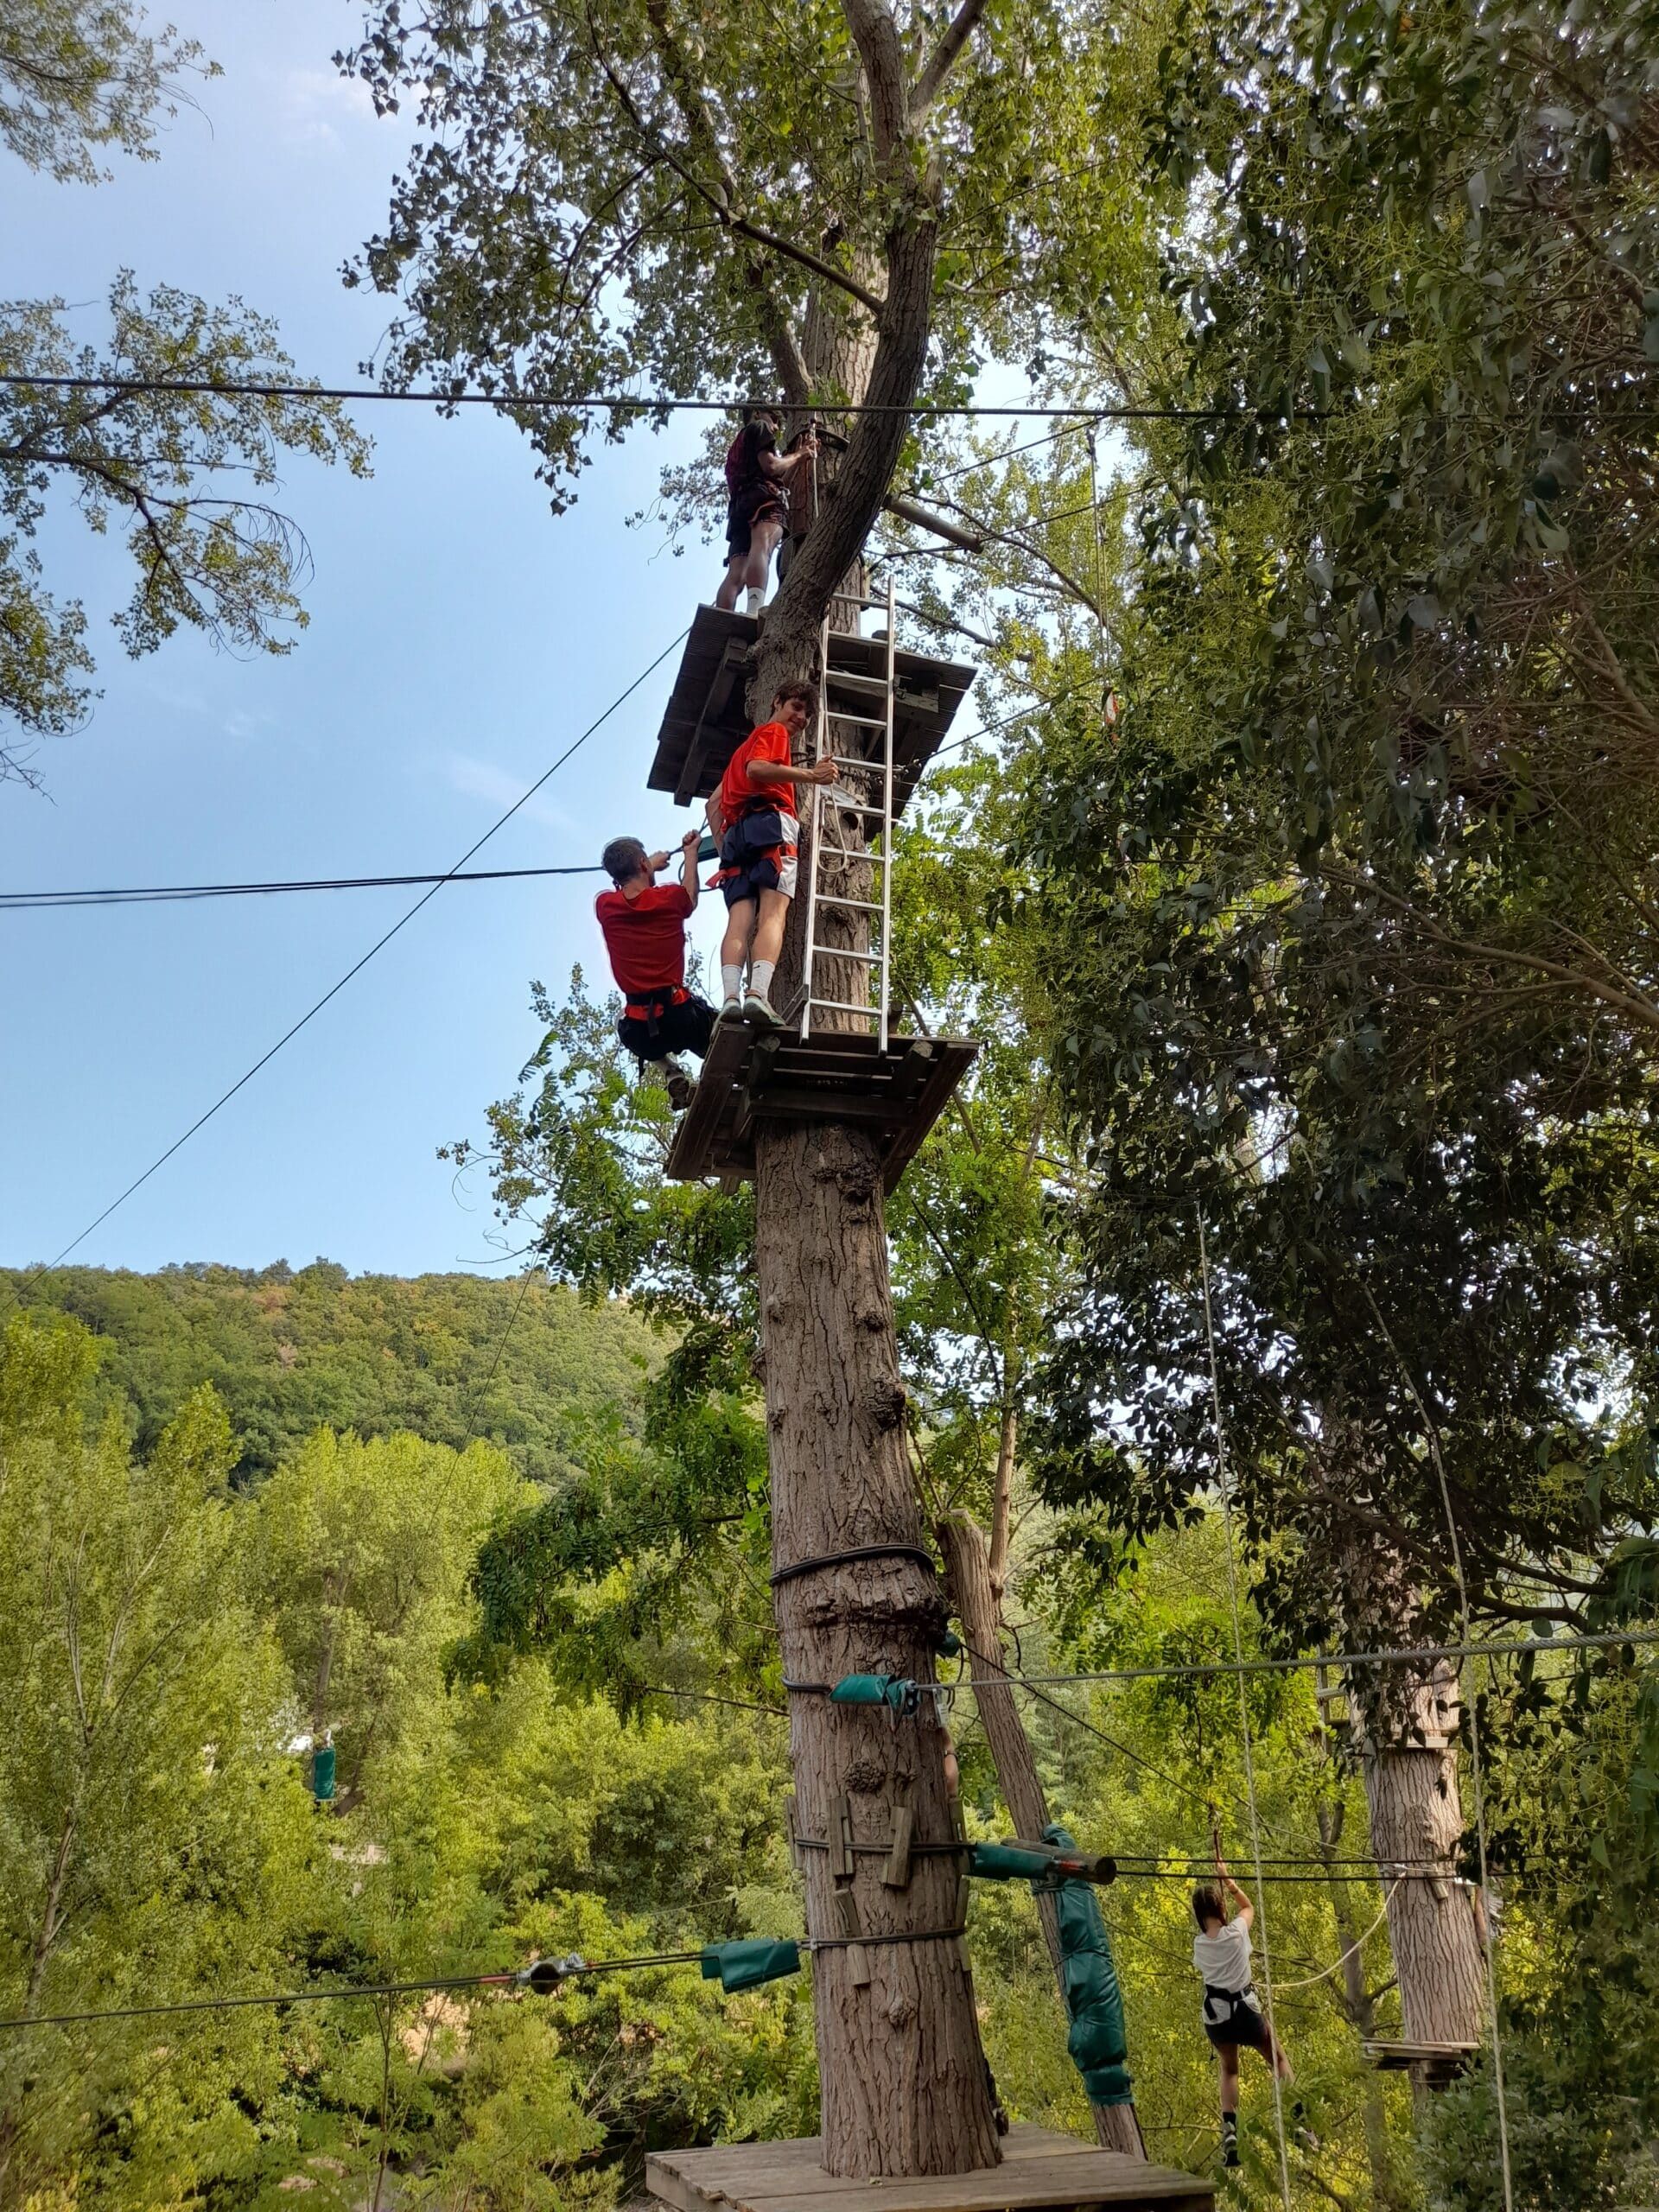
(880, 690)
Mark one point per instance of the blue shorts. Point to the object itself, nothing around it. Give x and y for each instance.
(760, 853)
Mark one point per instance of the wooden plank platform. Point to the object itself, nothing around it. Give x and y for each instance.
(753, 1073)
(706, 719)
(1440, 2061)
(1040, 2172)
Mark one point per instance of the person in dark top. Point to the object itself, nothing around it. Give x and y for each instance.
(644, 923)
(756, 474)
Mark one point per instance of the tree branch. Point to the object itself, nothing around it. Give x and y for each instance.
(957, 34)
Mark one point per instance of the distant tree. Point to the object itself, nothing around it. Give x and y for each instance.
(77, 76)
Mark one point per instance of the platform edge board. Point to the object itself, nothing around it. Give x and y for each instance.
(929, 693)
(841, 1076)
(1041, 2172)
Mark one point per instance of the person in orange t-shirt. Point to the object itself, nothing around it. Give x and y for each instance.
(644, 925)
(756, 828)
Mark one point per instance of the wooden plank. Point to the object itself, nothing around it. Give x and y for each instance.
(895, 1875)
(1040, 2169)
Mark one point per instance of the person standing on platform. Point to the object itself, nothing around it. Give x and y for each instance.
(644, 923)
(756, 474)
(1233, 2018)
(752, 817)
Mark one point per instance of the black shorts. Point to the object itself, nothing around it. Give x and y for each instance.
(743, 514)
(758, 853)
(1244, 2026)
(683, 1029)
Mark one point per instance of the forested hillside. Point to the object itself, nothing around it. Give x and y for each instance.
(449, 1356)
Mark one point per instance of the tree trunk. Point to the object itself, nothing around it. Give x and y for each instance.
(1409, 1762)
(968, 1586)
(904, 2085)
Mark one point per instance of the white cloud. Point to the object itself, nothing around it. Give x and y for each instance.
(318, 105)
(482, 779)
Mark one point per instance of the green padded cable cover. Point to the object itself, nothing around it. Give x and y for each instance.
(1098, 2045)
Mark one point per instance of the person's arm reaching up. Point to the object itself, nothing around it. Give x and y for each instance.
(689, 882)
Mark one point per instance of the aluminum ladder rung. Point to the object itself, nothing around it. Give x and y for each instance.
(882, 689)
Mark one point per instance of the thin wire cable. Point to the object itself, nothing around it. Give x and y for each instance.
(646, 404)
(323, 1996)
(158, 893)
(335, 989)
(1432, 1432)
(1244, 1705)
(1508, 1648)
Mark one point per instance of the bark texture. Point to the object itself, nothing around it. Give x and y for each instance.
(1411, 1786)
(905, 2089)
(975, 1601)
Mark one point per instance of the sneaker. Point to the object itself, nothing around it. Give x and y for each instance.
(680, 1084)
(732, 1009)
(1230, 2151)
(758, 1008)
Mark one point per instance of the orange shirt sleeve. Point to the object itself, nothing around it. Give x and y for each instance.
(770, 742)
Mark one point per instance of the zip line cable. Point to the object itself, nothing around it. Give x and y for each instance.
(335, 989)
(571, 1967)
(628, 403)
(1243, 1710)
(154, 894)
(647, 403)
(1508, 1648)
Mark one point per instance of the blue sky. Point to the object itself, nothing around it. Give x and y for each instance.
(459, 637)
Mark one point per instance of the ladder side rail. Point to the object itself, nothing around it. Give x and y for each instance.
(887, 820)
(821, 740)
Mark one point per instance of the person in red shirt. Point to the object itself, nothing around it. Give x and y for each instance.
(754, 819)
(643, 922)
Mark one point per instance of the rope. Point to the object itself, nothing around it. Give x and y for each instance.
(1477, 1778)
(1244, 1709)
(335, 989)
(1308, 1980)
(836, 1558)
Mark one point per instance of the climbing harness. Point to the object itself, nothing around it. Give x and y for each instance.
(1244, 1709)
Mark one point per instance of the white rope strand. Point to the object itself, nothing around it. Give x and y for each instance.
(1244, 1717)
(1358, 1943)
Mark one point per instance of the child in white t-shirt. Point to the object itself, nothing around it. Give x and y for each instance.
(1232, 2012)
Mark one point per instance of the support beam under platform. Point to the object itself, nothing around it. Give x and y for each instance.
(707, 717)
(1040, 2172)
(754, 1073)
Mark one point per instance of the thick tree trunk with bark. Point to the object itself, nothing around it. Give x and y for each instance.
(1410, 1766)
(975, 1601)
(904, 2085)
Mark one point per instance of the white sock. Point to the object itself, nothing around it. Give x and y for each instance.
(752, 601)
(731, 979)
(760, 976)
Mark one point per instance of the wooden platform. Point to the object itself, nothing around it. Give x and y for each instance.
(1439, 2062)
(706, 719)
(1040, 2172)
(752, 1074)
